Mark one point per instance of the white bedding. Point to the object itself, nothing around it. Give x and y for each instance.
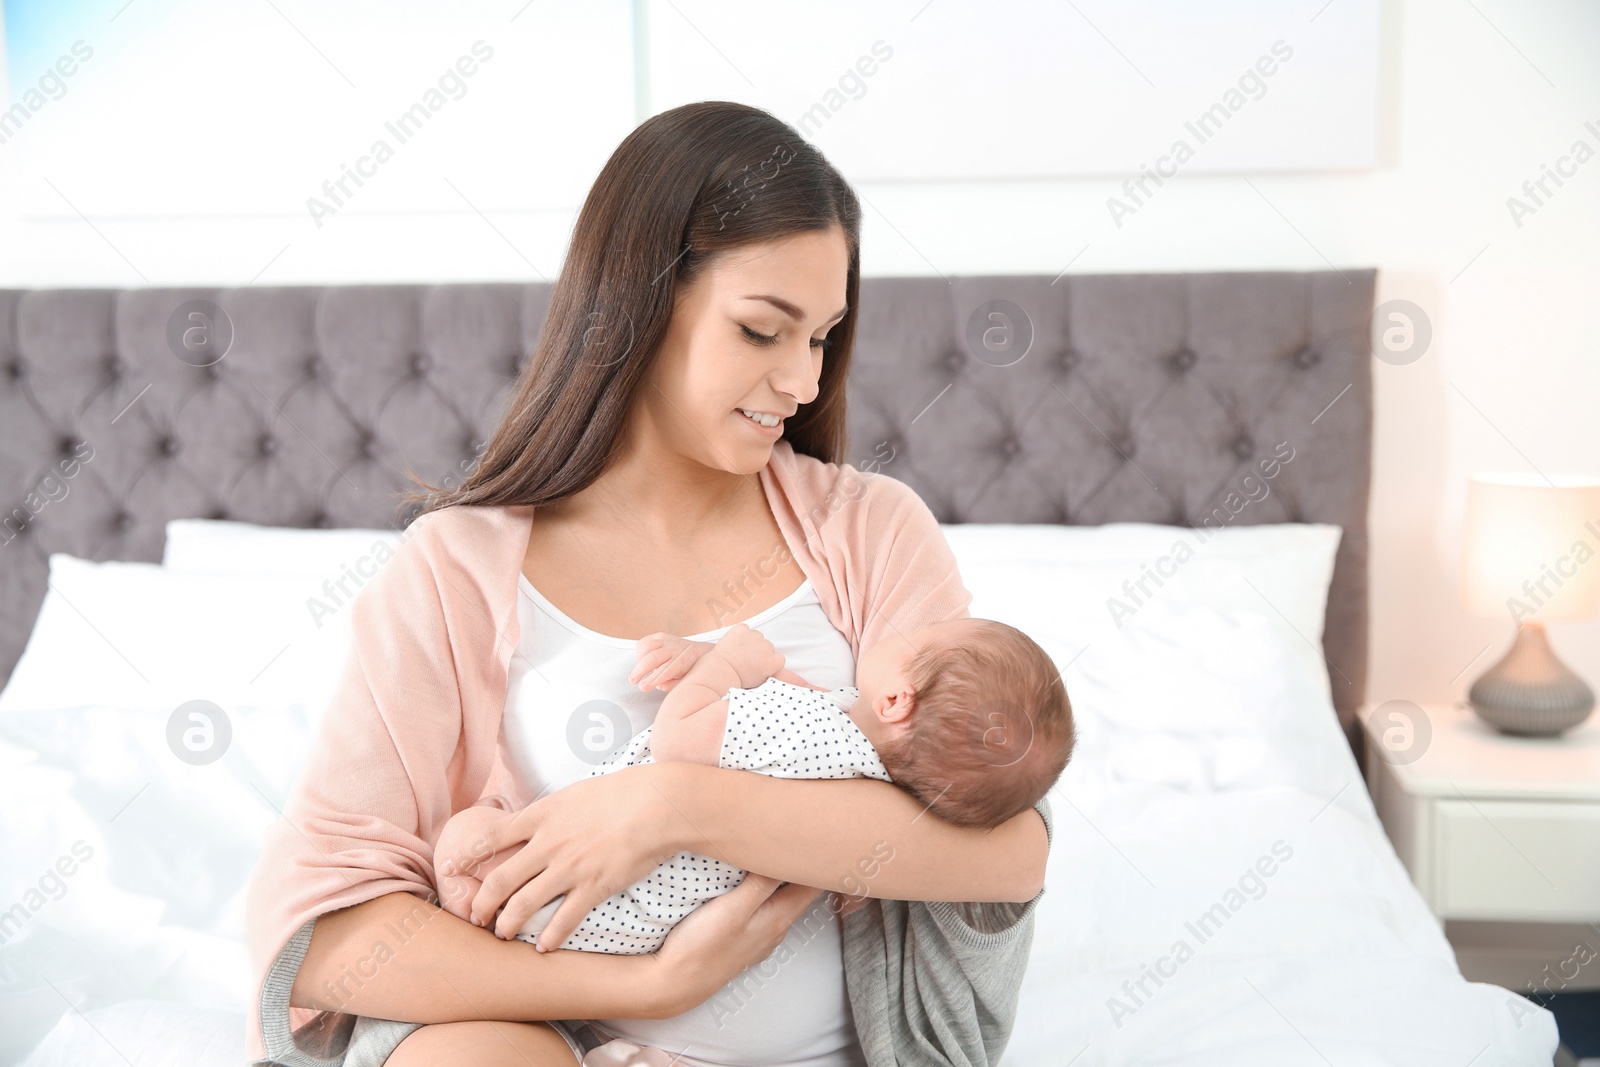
(1332, 958)
(1206, 741)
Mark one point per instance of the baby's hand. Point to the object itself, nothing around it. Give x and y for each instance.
(752, 656)
(663, 660)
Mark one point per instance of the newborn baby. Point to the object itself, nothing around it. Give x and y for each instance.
(969, 716)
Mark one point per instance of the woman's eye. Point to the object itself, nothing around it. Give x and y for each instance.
(764, 339)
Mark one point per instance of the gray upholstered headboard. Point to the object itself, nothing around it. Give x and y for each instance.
(1139, 398)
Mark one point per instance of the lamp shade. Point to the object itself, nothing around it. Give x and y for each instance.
(1532, 547)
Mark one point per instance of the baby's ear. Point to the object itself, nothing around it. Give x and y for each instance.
(896, 706)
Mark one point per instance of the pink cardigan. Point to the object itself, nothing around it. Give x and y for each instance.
(411, 734)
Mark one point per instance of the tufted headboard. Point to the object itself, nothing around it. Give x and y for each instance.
(1134, 398)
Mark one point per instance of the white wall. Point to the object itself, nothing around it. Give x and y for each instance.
(1475, 98)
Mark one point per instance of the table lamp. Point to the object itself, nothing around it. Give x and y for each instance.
(1533, 556)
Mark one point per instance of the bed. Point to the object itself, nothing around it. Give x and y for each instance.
(1163, 478)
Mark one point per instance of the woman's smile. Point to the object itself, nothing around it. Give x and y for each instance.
(763, 422)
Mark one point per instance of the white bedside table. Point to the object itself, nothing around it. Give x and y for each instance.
(1491, 827)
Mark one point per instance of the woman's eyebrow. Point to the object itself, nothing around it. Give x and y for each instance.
(789, 309)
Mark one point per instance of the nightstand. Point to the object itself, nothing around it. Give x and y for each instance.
(1491, 827)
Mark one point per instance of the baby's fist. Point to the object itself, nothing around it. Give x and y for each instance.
(751, 655)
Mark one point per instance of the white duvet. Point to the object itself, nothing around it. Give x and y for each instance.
(1219, 892)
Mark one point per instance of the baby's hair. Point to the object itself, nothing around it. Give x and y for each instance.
(991, 727)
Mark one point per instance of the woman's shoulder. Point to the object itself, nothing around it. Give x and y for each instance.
(455, 548)
(469, 527)
(867, 492)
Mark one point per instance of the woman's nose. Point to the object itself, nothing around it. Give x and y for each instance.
(799, 374)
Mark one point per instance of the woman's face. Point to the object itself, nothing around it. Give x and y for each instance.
(745, 340)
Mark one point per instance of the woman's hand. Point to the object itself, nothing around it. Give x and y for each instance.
(663, 660)
(589, 840)
(726, 934)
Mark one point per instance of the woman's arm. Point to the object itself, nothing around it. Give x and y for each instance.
(399, 957)
(820, 832)
(832, 834)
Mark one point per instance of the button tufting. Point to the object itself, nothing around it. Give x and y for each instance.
(1243, 447)
(1123, 443)
(367, 444)
(121, 521)
(211, 372)
(68, 445)
(218, 515)
(267, 445)
(1011, 447)
(420, 364)
(16, 369)
(169, 445)
(321, 521)
(313, 365)
(114, 365)
(954, 358)
(1069, 358)
(1183, 359)
(514, 363)
(1307, 358)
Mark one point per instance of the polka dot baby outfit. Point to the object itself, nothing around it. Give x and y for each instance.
(777, 729)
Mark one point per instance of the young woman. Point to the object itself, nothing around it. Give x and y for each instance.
(672, 460)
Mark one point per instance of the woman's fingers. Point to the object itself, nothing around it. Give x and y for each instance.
(844, 904)
(525, 901)
(502, 882)
(486, 838)
(786, 905)
(566, 918)
(755, 889)
(771, 904)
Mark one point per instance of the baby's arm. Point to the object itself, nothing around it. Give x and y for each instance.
(694, 715)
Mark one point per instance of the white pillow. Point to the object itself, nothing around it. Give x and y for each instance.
(1103, 576)
(1201, 700)
(1229, 644)
(220, 546)
(136, 635)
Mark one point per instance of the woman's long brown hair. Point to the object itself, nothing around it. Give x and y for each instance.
(684, 186)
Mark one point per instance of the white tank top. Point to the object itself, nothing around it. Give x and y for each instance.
(569, 705)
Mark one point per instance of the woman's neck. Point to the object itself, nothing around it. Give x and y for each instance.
(665, 492)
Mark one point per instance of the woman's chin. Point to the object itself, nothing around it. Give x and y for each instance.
(745, 457)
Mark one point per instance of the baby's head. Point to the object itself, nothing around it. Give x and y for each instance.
(969, 716)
